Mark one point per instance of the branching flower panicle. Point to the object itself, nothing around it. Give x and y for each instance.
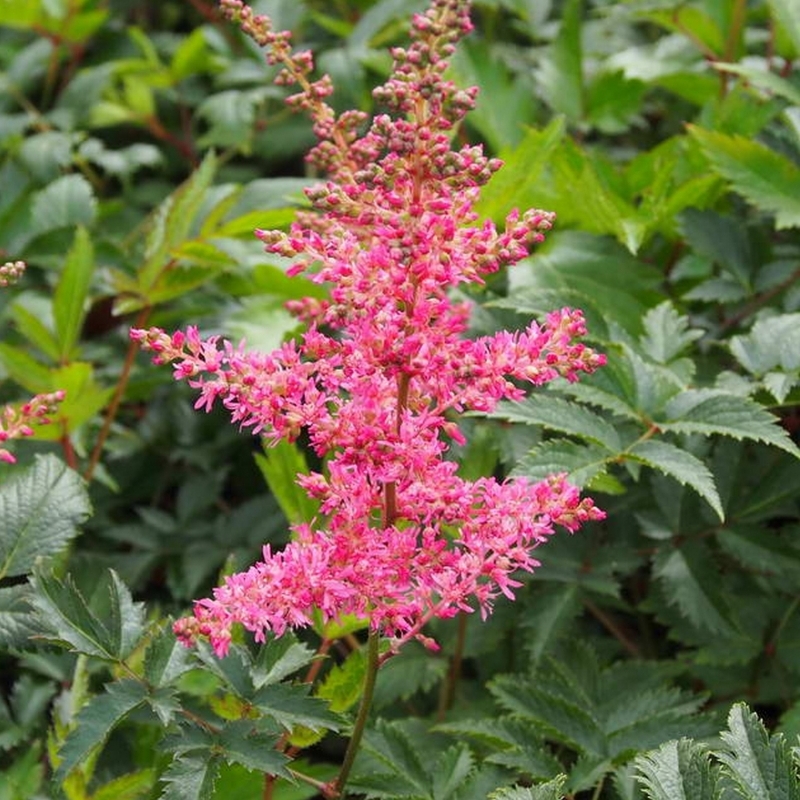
(384, 368)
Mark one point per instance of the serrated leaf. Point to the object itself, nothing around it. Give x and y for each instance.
(556, 606)
(41, 508)
(552, 790)
(678, 770)
(343, 685)
(450, 771)
(581, 462)
(412, 670)
(241, 744)
(563, 416)
(68, 200)
(712, 412)
(96, 720)
(767, 179)
(566, 721)
(18, 621)
(280, 465)
(760, 766)
(685, 578)
(291, 705)
(667, 333)
(73, 623)
(191, 777)
(69, 302)
(394, 746)
(278, 659)
(681, 465)
(165, 659)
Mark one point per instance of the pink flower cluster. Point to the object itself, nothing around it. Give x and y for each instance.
(17, 421)
(382, 372)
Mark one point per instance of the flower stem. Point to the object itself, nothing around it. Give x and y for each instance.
(363, 713)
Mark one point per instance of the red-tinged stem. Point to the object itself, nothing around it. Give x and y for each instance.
(119, 392)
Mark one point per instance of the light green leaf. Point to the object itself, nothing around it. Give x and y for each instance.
(710, 412)
(172, 221)
(523, 166)
(765, 79)
(68, 200)
(69, 302)
(667, 333)
(41, 509)
(678, 770)
(96, 720)
(563, 416)
(30, 325)
(132, 786)
(787, 13)
(680, 465)
(552, 790)
(561, 76)
(343, 685)
(767, 179)
(191, 777)
(280, 465)
(759, 765)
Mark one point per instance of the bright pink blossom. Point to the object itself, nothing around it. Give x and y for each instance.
(18, 421)
(379, 377)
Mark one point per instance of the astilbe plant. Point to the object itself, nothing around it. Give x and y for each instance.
(384, 367)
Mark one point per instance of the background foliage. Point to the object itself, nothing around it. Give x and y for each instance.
(141, 143)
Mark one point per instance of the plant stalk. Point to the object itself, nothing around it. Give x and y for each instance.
(337, 788)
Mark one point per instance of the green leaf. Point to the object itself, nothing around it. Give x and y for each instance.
(241, 744)
(280, 465)
(68, 200)
(758, 765)
(688, 584)
(291, 705)
(667, 333)
(69, 302)
(96, 720)
(30, 325)
(132, 786)
(191, 777)
(41, 508)
(561, 76)
(84, 398)
(767, 179)
(678, 770)
(555, 608)
(450, 770)
(582, 463)
(109, 635)
(522, 170)
(681, 465)
(172, 221)
(17, 618)
(166, 659)
(279, 658)
(787, 13)
(714, 413)
(343, 685)
(563, 416)
(552, 790)
(595, 273)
